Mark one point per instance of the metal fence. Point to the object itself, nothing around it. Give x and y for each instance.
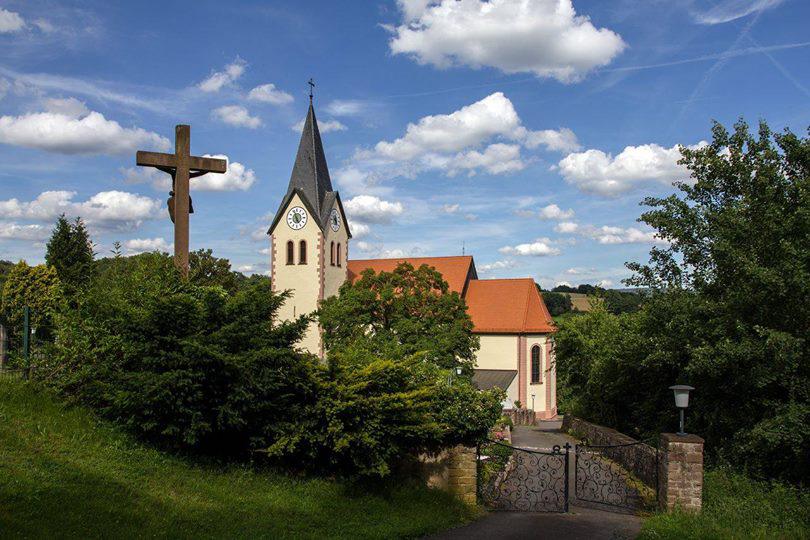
(22, 346)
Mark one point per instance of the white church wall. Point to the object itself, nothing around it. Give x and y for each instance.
(498, 351)
(303, 280)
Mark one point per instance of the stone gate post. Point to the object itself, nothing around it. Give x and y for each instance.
(680, 472)
(462, 473)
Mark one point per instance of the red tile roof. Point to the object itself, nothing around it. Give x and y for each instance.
(507, 306)
(496, 306)
(455, 270)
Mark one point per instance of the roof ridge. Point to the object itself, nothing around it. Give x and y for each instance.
(526, 310)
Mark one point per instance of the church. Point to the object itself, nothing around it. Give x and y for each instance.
(310, 257)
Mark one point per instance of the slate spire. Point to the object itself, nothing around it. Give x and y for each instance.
(310, 173)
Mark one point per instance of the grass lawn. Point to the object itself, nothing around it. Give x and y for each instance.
(736, 507)
(64, 473)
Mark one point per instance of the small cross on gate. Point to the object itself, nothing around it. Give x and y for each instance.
(182, 166)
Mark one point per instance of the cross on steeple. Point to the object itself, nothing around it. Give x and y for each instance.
(311, 84)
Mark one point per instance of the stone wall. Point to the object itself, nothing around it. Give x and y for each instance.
(521, 417)
(681, 472)
(452, 470)
(639, 459)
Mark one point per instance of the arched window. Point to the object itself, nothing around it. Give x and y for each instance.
(302, 252)
(290, 252)
(536, 379)
(332, 254)
(337, 254)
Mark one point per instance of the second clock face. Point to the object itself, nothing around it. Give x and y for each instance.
(334, 220)
(296, 218)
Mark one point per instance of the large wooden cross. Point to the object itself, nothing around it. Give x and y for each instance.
(182, 166)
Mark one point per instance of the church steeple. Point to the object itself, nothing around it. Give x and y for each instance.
(310, 173)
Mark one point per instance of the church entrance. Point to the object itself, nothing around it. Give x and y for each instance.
(523, 480)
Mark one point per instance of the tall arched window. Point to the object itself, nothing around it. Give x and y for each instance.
(290, 252)
(332, 254)
(302, 252)
(536, 379)
(337, 254)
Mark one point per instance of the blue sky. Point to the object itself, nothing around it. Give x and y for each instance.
(524, 132)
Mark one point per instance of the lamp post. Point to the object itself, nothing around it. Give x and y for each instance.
(681, 400)
(457, 372)
(532, 401)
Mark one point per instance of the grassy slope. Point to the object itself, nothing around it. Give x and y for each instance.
(65, 474)
(737, 507)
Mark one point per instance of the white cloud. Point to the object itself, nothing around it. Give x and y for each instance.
(359, 230)
(543, 37)
(552, 211)
(268, 93)
(730, 10)
(218, 79)
(236, 115)
(467, 127)
(323, 126)
(392, 253)
(236, 178)
(594, 171)
(566, 227)
(450, 208)
(604, 283)
(10, 22)
(71, 107)
(346, 107)
(117, 209)
(10, 230)
(68, 127)
(497, 265)
(496, 158)
(619, 235)
(371, 209)
(538, 248)
(145, 245)
(557, 140)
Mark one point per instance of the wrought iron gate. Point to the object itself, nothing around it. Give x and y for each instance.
(521, 480)
(620, 475)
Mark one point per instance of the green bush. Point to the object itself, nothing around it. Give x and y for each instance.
(185, 366)
(372, 413)
(735, 506)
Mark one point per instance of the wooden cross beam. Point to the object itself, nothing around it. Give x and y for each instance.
(182, 166)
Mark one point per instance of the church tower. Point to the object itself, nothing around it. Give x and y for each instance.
(309, 235)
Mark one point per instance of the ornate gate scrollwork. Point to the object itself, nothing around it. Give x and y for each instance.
(622, 475)
(516, 479)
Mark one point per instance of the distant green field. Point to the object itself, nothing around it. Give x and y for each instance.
(65, 474)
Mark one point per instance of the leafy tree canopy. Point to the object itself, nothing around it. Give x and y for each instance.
(398, 314)
(727, 312)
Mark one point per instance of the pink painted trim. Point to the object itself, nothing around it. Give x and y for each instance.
(273, 263)
(521, 344)
(549, 375)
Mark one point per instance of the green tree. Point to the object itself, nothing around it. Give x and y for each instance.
(37, 287)
(205, 269)
(70, 253)
(557, 303)
(727, 310)
(397, 314)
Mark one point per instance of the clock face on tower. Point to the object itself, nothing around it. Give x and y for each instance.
(296, 218)
(334, 219)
